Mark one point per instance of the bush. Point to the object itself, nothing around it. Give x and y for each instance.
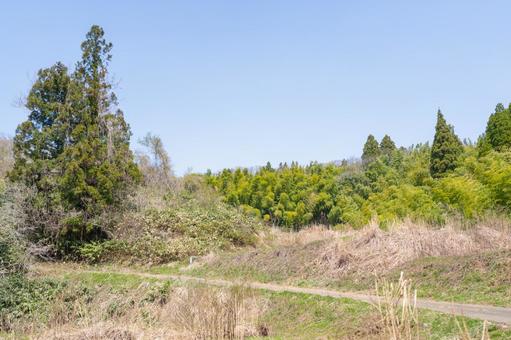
(11, 245)
(398, 202)
(6, 157)
(11, 254)
(173, 233)
(463, 194)
(22, 298)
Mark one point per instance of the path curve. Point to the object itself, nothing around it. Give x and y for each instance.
(501, 315)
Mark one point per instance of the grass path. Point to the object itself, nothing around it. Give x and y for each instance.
(499, 315)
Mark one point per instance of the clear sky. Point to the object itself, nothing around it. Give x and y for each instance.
(238, 83)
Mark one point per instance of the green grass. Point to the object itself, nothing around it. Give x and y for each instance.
(172, 268)
(304, 316)
(117, 282)
(482, 278)
(284, 264)
(241, 272)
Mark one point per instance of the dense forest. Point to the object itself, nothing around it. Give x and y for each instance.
(448, 179)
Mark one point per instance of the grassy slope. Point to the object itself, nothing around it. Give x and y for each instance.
(481, 278)
(302, 316)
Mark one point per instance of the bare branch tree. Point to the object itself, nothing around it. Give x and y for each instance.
(156, 166)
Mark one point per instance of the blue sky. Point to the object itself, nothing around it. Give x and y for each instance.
(238, 83)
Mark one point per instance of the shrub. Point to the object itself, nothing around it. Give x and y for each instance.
(398, 202)
(174, 233)
(6, 157)
(463, 194)
(11, 245)
(11, 254)
(22, 298)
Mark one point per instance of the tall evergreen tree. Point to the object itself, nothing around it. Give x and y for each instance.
(74, 147)
(99, 163)
(498, 129)
(371, 149)
(446, 148)
(40, 140)
(387, 145)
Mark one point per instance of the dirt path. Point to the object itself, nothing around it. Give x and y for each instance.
(500, 315)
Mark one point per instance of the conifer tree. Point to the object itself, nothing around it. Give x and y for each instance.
(371, 149)
(74, 147)
(498, 129)
(387, 145)
(40, 140)
(99, 163)
(446, 148)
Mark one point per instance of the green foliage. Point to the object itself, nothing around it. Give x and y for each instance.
(99, 163)
(11, 245)
(11, 254)
(288, 196)
(22, 297)
(446, 148)
(397, 202)
(174, 233)
(463, 194)
(387, 145)
(371, 149)
(388, 188)
(74, 147)
(498, 129)
(494, 172)
(40, 139)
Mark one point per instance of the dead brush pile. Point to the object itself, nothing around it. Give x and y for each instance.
(375, 251)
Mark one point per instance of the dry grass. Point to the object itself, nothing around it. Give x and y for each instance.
(399, 315)
(149, 312)
(324, 255)
(276, 237)
(375, 251)
(464, 332)
(226, 315)
(397, 307)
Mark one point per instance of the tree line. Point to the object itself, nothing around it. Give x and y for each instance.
(422, 182)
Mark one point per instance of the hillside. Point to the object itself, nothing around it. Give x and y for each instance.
(99, 241)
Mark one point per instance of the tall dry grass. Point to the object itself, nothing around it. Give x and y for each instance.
(396, 305)
(149, 312)
(228, 314)
(276, 237)
(374, 251)
(323, 254)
